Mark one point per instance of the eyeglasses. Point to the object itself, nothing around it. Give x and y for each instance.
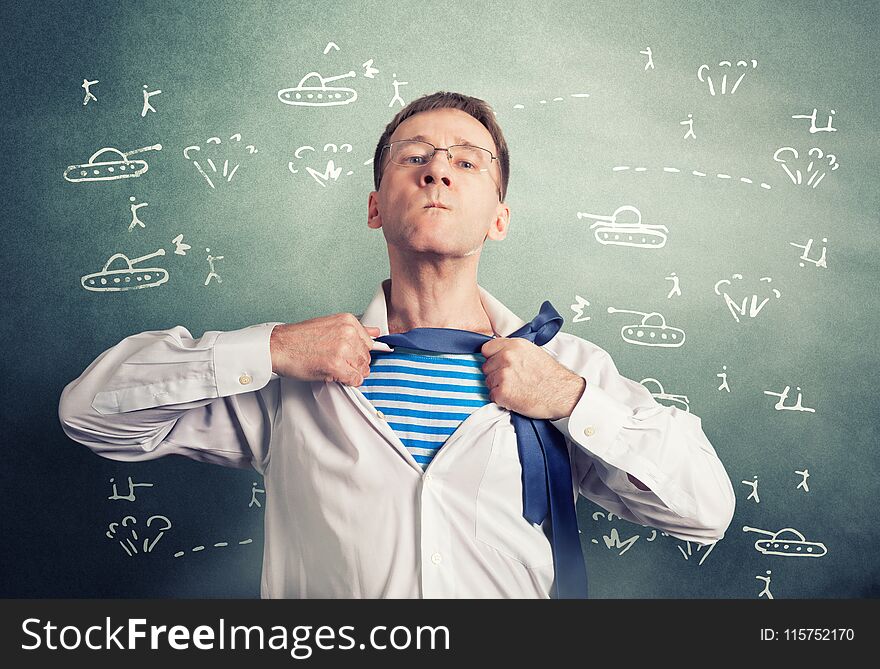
(464, 158)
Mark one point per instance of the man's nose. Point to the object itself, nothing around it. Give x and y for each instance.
(437, 169)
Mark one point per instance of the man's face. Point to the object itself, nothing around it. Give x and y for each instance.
(470, 208)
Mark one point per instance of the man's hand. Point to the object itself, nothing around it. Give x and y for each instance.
(328, 348)
(526, 379)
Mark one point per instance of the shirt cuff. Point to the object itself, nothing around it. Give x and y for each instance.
(596, 424)
(595, 421)
(243, 360)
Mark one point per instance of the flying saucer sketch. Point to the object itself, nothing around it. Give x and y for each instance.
(705, 76)
(110, 170)
(787, 542)
(609, 231)
(645, 334)
(667, 399)
(125, 278)
(815, 160)
(318, 96)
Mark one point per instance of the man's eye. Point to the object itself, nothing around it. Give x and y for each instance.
(467, 165)
(414, 160)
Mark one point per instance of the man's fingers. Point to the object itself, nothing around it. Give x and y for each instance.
(373, 345)
(353, 376)
(368, 334)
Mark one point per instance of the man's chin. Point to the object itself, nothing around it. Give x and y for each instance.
(438, 250)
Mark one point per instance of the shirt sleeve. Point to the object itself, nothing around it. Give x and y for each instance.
(618, 428)
(157, 393)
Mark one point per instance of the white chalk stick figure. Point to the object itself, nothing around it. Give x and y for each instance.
(690, 124)
(723, 376)
(147, 105)
(134, 217)
(86, 85)
(754, 492)
(397, 84)
(676, 288)
(650, 63)
(212, 273)
(766, 590)
(805, 474)
(254, 491)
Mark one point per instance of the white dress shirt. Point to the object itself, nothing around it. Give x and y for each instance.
(348, 511)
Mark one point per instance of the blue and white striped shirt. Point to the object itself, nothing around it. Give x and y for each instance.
(424, 395)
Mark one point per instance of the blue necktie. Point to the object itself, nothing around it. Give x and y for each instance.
(546, 468)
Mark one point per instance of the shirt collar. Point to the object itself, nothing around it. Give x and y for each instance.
(502, 319)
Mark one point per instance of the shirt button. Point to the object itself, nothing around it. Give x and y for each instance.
(380, 415)
(589, 430)
(244, 379)
(436, 558)
(428, 477)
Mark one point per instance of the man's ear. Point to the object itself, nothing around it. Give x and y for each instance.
(498, 229)
(374, 219)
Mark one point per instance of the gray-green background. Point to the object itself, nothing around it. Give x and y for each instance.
(293, 248)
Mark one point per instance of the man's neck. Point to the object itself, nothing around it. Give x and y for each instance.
(431, 296)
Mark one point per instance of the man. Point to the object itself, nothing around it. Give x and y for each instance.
(398, 471)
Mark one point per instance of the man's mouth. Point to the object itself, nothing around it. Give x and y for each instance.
(437, 205)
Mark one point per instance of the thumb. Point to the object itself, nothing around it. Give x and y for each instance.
(373, 332)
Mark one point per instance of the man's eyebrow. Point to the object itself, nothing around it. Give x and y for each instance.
(458, 140)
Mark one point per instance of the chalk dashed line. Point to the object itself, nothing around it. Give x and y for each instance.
(719, 175)
(556, 99)
(219, 544)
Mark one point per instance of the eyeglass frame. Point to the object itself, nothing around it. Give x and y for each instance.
(448, 158)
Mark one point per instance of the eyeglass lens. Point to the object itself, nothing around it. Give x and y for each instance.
(465, 158)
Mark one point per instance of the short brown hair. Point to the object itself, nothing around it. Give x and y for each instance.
(477, 108)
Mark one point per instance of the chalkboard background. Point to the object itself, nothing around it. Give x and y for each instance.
(579, 98)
